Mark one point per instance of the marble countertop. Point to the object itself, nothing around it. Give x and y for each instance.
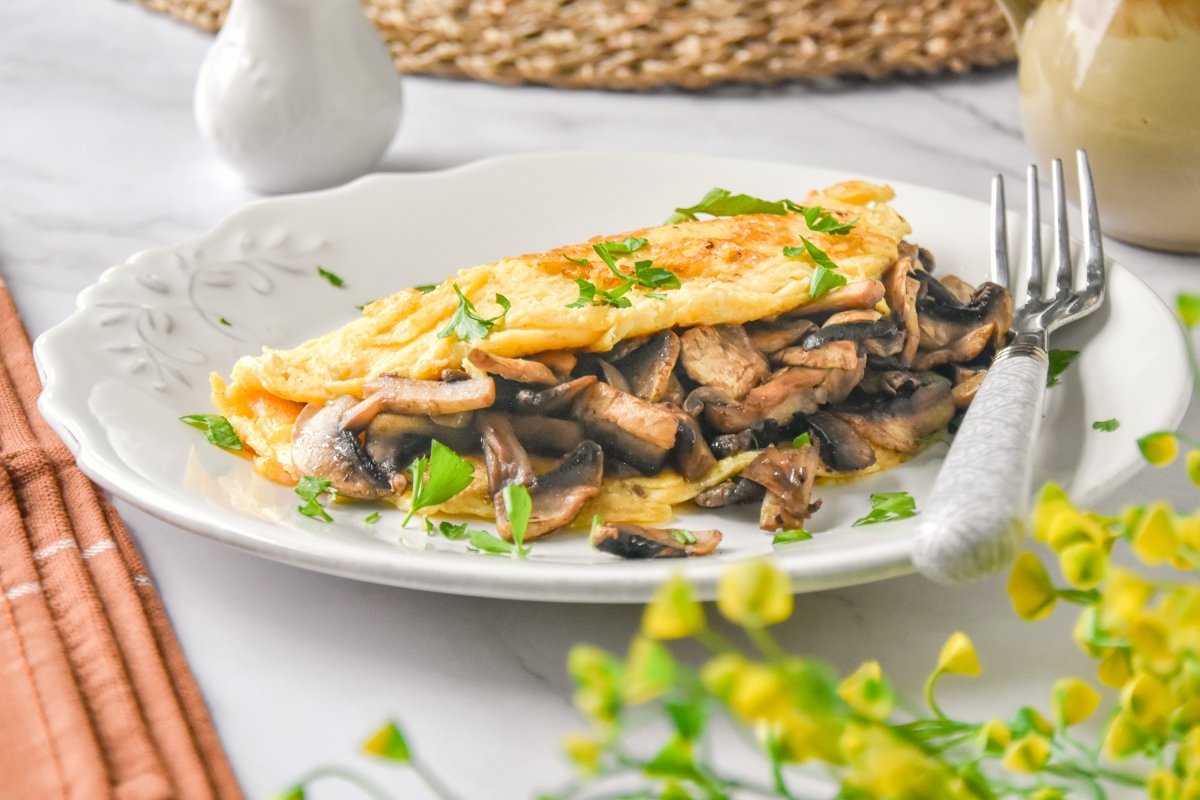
(99, 158)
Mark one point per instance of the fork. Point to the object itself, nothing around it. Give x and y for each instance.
(973, 522)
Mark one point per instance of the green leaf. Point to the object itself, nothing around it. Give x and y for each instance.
(630, 244)
(721, 203)
(388, 743)
(791, 536)
(291, 793)
(824, 280)
(1106, 425)
(688, 717)
(518, 505)
(451, 531)
(1059, 361)
(605, 256)
(438, 478)
(482, 540)
(1094, 635)
(583, 262)
(334, 280)
(802, 440)
(224, 321)
(821, 221)
(426, 288)
(217, 430)
(889, 506)
(587, 294)
(310, 488)
(819, 256)
(655, 277)
(1188, 305)
(674, 760)
(683, 536)
(371, 519)
(1082, 597)
(466, 324)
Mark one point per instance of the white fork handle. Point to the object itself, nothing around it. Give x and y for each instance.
(974, 521)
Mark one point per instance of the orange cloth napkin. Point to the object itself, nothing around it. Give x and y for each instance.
(96, 698)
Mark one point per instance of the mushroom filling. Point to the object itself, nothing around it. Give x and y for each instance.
(871, 364)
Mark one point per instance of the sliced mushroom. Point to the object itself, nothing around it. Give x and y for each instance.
(902, 289)
(321, 447)
(520, 370)
(728, 493)
(899, 423)
(560, 362)
(723, 357)
(788, 476)
(450, 375)
(860, 331)
(952, 331)
(547, 435)
(962, 291)
(832, 355)
(505, 457)
(730, 444)
(554, 399)
(649, 369)
(625, 347)
(559, 495)
(388, 437)
(771, 336)
(842, 448)
(410, 396)
(859, 294)
(675, 393)
(888, 381)
(639, 541)
(613, 376)
(967, 383)
(691, 454)
(791, 392)
(633, 430)
(463, 419)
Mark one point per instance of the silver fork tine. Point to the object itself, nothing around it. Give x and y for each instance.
(1093, 250)
(999, 233)
(1033, 238)
(1062, 240)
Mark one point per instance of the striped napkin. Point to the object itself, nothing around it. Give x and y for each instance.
(96, 699)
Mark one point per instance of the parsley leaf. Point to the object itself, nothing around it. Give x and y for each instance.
(590, 293)
(448, 529)
(653, 277)
(1059, 361)
(216, 429)
(466, 324)
(1188, 305)
(518, 505)
(488, 543)
(1106, 425)
(583, 262)
(310, 488)
(823, 280)
(683, 536)
(224, 321)
(802, 440)
(587, 294)
(438, 478)
(607, 257)
(819, 256)
(630, 244)
(334, 280)
(722, 203)
(426, 288)
(791, 536)
(821, 221)
(372, 518)
(889, 506)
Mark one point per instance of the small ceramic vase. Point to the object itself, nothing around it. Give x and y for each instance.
(1119, 78)
(298, 94)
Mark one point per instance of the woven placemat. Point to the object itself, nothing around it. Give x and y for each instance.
(641, 44)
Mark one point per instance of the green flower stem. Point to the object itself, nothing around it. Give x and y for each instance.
(362, 782)
(431, 780)
(715, 641)
(765, 643)
(1069, 770)
(930, 692)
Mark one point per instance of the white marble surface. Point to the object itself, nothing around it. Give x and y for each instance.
(99, 158)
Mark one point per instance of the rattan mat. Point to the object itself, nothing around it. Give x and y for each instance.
(642, 44)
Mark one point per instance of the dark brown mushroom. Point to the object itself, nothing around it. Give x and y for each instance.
(773, 335)
(859, 294)
(649, 369)
(612, 376)
(842, 448)
(730, 492)
(389, 439)
(553, 400)
(901, 293)
(520, 370)
(899, 423)
(791, 392)
(691, 454)
(858, 330)
(788, 475)
(723, 357)
(322, 447)
(504, 456)
(410, 396)
(954, 332)
(960, 289)
(675, 393)
(639, 541)
(558, 495)
(547, 435)
(633, 430)
(730, 444)
(888, 381)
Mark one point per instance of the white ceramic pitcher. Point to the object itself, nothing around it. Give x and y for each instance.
(298, 94)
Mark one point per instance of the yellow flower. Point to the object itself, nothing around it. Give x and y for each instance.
(994, 736)
(958, 656)
(1154, 537)
(1115, 670)
(1084, 564)
(1048, 793)
(1147, 702)
(674, 612)
(1186, 716)
(649, 671)
(1073, 701)
(754, 594)
(1029, 587)
(584, 751)
(759, 693)
(1187, 530)
(1074, 527)
(1159, 448)
(1027, 754)
(1190, 790)
(720, 673)
(1193, 465)
(868, 692)
(1051, 502)
(597, 677)
(1123, 738)
(1162, 785)
(1150, 637)
(1125, 595)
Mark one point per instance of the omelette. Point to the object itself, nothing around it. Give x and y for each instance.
(729, 359)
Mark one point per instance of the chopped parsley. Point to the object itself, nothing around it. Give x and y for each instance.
(310, 488)
(426, 288)
(683, 536)
(723, 203)
(652, 277)
(802, 440)
(1059, 361)
(791, 536)
(824, 280)
(628, 245)
(466, 324)
(589, 293)
(889, 506)
(438, 478)
(821, 221)
(448, 529)
(489, 543)
(1107, 425)
(819, 256)
(224, 321)
(518, 506)
(645, 274)
(216, 429)
(334, 280)
(371, 519)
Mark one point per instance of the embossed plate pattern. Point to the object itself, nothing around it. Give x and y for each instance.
(137, 352)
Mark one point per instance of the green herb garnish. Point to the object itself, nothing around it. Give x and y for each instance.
(821, 221)
(224, 321)
(1188, 306)
(488, 543)
(466, 324)
(334, 280)
(802, 440)
(372, 518)
(721, 203)
(310, 488)
(652, 277)
(889, 506)
(1106, 425)
(583, 262)
(1059, 361)
(518, 505)
(426, 288)
(791, 536)
(438, 478)
(217, 429)
(590, 293)
(825, 280)
(630, 244)
(819, 256)
(683, 537)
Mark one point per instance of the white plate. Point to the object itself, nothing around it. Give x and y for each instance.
(137, 352)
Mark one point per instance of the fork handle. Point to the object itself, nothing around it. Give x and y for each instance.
(973, 523)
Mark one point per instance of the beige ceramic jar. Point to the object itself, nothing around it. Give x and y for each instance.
(1120, 78)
